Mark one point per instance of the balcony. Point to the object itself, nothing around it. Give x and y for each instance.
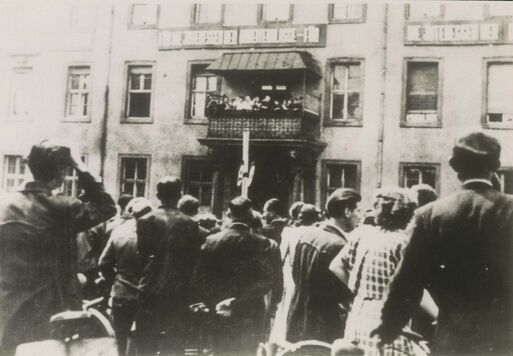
(291, 128)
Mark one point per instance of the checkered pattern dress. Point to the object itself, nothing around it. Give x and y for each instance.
(372, 256)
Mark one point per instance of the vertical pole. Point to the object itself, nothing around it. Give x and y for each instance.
(245, 161)
(381, 127)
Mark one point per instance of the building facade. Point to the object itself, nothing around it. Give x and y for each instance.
(377, 93)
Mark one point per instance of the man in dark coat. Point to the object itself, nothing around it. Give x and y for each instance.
(38, 254)
(169, 243)
(233, 276)
(461, 251)
(315, 312)
(274, 216)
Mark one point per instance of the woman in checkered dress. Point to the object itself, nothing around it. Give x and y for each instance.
(368, 263)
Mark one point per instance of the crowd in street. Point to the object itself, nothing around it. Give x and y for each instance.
(382, 280)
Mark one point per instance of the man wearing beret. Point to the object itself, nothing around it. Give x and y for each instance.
(461, 251)
(38, 252)
(315, 312)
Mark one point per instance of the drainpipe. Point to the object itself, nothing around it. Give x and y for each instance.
(381, 132)
(104, 126)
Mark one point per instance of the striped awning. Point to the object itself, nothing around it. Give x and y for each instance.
(264, 61)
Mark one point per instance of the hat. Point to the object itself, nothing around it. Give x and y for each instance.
(169, 187)
(476, 151)
(341, 195)
(138, 207)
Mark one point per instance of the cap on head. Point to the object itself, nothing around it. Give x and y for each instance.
(188, 205)
(425, 194)
(240, 208)
(169, 188)
(340, 199)
(308, 215)
(476, 152)
(275, 205)
(46, 158)
(295, 208)
(138, 207)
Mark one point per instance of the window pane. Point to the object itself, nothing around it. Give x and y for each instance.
(22, 166)
(353, 108)
(139, 105)
(338, 106)
(339, 77)
(422, 86)
(500, 88)
(194, 190)
(277, 11)
(208, 13)
(240, 14)
(211, 83)
(147, 81)
(135, 81)
(334, 177)
(75, 81)
(11, 165)
(84, 104)
(347, 11)
(354, 82)
(350, 172)
(412, 177)
(200, 83)
(85, 81)
(206, 195)
(141, 168)
(506, 180)
(140, 189)
(129, 171)
(128, 188)
(429, 176)
(198, 104)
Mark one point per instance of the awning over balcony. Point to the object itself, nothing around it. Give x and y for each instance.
(257, 61)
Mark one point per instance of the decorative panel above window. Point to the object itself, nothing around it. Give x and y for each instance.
(419, 10)
(277, 12)
(347, 12)
(499, 95)
(422, 94)
(206, 13)
(144, 16)
(21, 98)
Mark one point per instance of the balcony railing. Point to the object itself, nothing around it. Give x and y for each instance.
(293, 125)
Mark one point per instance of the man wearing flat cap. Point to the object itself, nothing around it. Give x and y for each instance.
(461, 251)
(169, 243)
(38, 252)
(315, 312)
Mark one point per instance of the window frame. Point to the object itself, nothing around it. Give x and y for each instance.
(439, 102)
(261, 16)
(194, 13)
(333, 20)
(5, 175)
(487, 16)
(188, 119)
(505, 169)
(69, 118)
(10, 104)
(331, 63)
(437, 166)
(124, 113)
(184, 170)
(484, 92)
(122, 156)
(429, 18)
(339, 162)
(132, 26)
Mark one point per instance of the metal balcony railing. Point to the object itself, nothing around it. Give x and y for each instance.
(290, 125)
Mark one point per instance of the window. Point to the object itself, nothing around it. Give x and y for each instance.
(71, 187)
(77, 101)
(22, 93)
(277, 12)
(15, 172)
(144, 15)
(499, 9)
(347, 13)
(208, 13)
(506, 180)
(134, 175)
(139, 91)
(339, 174)
(345, 89)
(240, 14)
(424, 10)
(198, 179)
(419, 173)
(499, 95)
(422, 94)
(202, 85)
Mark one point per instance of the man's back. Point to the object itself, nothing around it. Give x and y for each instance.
(314, 312)
(461, 250)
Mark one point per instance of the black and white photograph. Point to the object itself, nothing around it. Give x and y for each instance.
(246, 178)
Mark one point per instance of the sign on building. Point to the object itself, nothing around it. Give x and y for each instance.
(458, 32)
(298, 36)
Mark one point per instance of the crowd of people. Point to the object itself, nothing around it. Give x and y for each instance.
(372, 283)
(217, 104)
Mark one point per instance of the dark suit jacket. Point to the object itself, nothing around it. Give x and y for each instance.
(38, 254)
(461, 252)
(314, 311)
(274, 229)
(169, 242)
